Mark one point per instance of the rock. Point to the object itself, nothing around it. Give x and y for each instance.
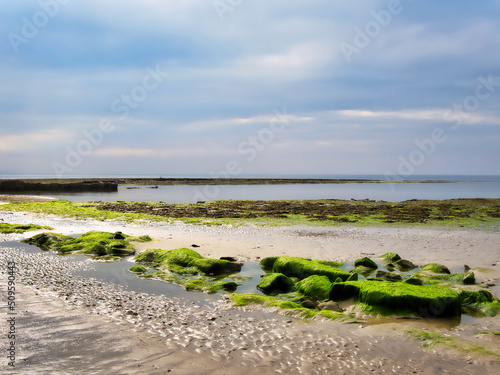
(195, 245)
(275, 283)
(229, 259)
(414, 281)
(354, 277)
(390, 257)
(466, 268)
(303, 268)
(405, 265)
(315, 286)
(365, 262)
(388, 276)
(308, 303)
(436, 268)
(330, 305)
(469, 278)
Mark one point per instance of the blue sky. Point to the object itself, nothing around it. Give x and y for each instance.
(236, 87)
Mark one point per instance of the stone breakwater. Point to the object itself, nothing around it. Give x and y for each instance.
(258, 340)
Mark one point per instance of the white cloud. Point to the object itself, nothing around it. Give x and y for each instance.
(32, 141)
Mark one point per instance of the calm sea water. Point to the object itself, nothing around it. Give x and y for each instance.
(454, 187)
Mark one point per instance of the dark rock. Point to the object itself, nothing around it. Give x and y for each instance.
(365, 262)
(405, 265)
(308, 303)
(229, 259)
(194, 245)
(388, 276)
(330, 305)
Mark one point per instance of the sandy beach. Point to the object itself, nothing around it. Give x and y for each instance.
(130, 333)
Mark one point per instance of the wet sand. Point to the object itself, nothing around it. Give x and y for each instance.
(130, 333)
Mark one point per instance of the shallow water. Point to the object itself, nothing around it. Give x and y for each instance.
(375, 191)
(118, 273)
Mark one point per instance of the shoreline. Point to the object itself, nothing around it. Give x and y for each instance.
(239, 339)
(195, 181)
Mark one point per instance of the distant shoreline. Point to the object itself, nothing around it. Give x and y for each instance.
(215, 181)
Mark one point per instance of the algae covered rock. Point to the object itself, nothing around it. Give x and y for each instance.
(268, 263)
(388, 276)
(353, 277)
(469, 278)
(389, 298)
(302, 268)
(436, 268)
(330, 305)
(92, 243)
(275, 283)
(315, 286)
(187, 261)
(137, 269)
(414, 281)
(48, 241)
(365, 262)
(390, 257)
(195, 285)
(405, 265)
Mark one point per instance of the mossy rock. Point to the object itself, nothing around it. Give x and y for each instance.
(414, 281)
(267, 263)
(187, 261)
(315, 286)
(479, 303)
(469, 278)
(228, 286)
(365, 271)
(274, 283)
(137, 269)
(48, 241)
(353, 277)
(20, 228)
(435, 267)
(389, 298)
(405, 265)
(302, 268)
(388, 276)
(390, 257)
(365, 262)
(195, 285)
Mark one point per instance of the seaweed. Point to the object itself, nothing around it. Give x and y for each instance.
(302, 268)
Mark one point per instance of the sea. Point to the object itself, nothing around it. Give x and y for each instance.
(440, 187)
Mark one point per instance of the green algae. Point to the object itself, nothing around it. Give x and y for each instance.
(302, 268)
(388, 298)
(476, 213)
(275, 283)
(137, 269)
(315, 286)
(436, 268)
(390, 257)
(186, 261)
(21, 228)
(365, 262)
(430, 339)
(94, 243)
(267, 263)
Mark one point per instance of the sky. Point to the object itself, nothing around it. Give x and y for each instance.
(229, 88)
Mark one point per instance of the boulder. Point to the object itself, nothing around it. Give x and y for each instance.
(274, 283)
(303, 268)
(315, 286)
(330, 305)
(365, 262)
(436, 268)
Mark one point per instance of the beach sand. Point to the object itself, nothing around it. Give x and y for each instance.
(69, 326)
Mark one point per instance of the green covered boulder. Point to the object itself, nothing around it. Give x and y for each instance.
(267, 263)
(389, 298)
(274, 283)
(390, 257)
(302, 268)
(315, 286)
(388, 276)
(365, 262)
(187, 261)
(435, 267)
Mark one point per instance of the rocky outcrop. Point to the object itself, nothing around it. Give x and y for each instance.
(22, 186)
